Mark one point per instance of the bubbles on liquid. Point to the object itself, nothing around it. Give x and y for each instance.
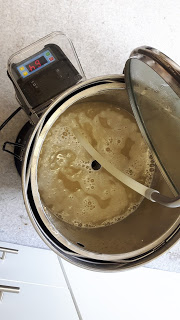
(107, 200)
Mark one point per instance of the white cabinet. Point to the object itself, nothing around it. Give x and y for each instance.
(43, 294)
(31, 265)
(36, 302)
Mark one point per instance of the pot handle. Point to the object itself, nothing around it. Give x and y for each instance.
(19, 145)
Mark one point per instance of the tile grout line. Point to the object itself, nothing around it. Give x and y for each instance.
(70, 289)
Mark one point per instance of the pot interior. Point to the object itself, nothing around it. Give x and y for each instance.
(147, 226)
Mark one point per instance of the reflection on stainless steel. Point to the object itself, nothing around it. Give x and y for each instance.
(161, 64)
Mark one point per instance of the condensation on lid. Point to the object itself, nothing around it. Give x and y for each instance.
(152, 81)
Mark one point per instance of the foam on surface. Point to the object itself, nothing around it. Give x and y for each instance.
(70, 188)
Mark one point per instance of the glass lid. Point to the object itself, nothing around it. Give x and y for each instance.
(153, 84)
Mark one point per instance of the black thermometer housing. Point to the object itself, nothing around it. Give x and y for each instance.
(43, 76)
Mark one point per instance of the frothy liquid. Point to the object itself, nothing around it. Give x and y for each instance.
(68, 185)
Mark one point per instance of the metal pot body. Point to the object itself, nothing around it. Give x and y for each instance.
(142, 236)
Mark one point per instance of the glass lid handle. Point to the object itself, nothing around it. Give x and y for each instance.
(149, 193)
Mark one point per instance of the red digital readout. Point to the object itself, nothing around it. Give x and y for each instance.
(36, 64)
(33, 67)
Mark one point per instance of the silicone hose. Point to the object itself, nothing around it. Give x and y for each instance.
(129, 182)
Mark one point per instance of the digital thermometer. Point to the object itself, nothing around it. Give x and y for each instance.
(43, 76)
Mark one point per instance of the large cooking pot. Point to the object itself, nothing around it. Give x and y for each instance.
(143, 235)
(48, 80)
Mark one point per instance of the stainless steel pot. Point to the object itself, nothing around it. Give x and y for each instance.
(142, 236)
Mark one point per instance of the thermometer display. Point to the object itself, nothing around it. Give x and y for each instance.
(36, 64)
(43, 75)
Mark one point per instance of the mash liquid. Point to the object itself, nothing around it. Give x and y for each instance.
(68, 185)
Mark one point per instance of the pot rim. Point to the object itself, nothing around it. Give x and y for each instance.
(110, 83)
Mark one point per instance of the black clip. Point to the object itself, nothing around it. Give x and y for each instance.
(17, 145)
